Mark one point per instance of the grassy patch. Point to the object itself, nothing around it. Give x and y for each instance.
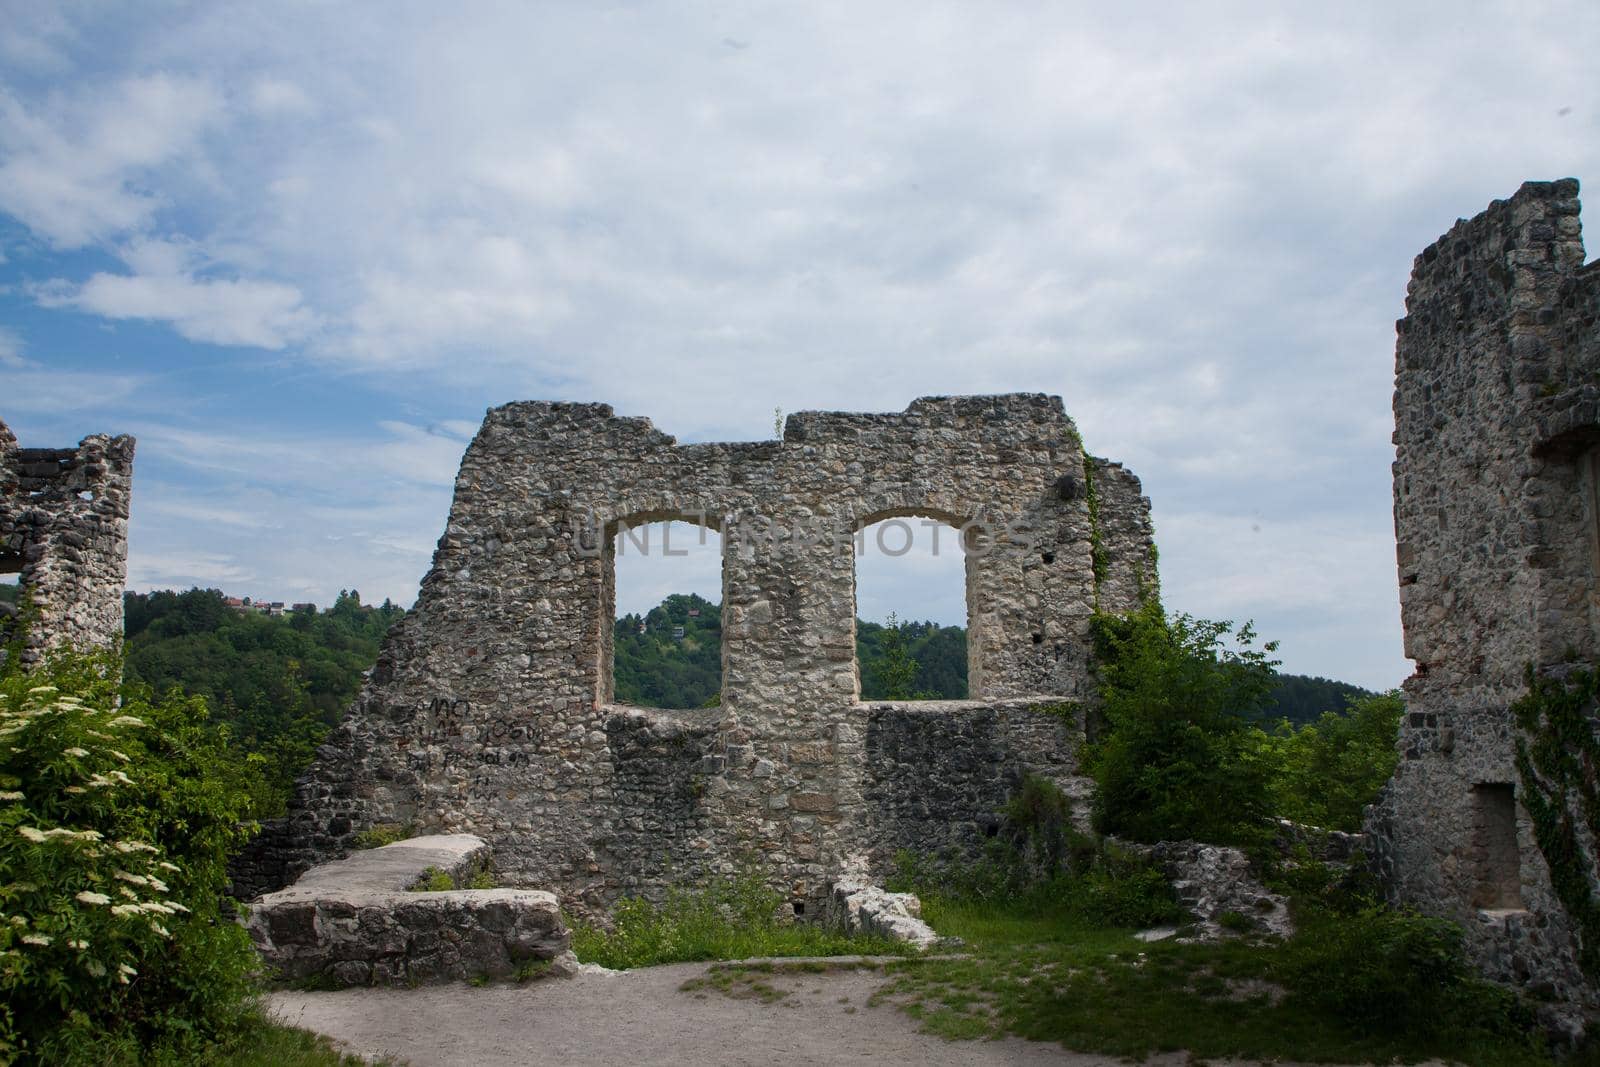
(1057, 977)
(728, 919)
(384, 833)
(270, 1045)
(434, 880)
(753, 981)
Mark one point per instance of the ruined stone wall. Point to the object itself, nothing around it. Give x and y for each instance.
(1494, 509)
(64, 530)
(490, 709)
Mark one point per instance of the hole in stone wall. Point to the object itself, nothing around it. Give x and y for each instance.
(667, 634)
(911, 610)
(799, 907)
(1494, 859)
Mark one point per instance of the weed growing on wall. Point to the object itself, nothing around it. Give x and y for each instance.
(1558, 757)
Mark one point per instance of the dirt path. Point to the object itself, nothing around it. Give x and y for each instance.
(642, 1017)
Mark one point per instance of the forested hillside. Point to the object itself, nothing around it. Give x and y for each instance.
(671, 657)
(277, 683)
(1302, 698)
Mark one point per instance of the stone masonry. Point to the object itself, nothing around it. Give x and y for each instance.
(490, 710)
(1496, 430)
(361, 921)
(64, 529)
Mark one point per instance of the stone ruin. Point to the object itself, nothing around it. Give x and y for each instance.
(64, 531)
(491, 710)
(1497, 427)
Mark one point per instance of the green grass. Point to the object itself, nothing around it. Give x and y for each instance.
(728, 919)
(1058, 978)
(257, 1041)
(271, 1045)
(434, 880)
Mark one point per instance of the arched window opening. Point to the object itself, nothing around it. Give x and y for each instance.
(666, 627)
(911, 610)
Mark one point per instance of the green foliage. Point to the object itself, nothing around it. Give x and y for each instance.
(1052, 976)
(653, 668)
(1302, 698)
(384, 833)
(1385, 971)
(1558, 758)
(1177, 758)
(277, 683)
(1099, 559)
(897, 669)
(727, 919)
(1039, 864)
(1325, 773)
(116, 821)
(911, 660)
(434, 880)
(482, 879)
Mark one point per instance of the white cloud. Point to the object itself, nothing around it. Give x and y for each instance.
(211, 310)
(74, 164)
(51, 392)
(11, 349)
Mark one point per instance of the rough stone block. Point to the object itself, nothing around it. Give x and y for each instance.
(356, 921)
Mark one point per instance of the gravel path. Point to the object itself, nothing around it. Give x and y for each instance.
(642, 1017)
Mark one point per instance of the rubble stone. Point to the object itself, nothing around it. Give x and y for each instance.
(357, 921)
(64, 532)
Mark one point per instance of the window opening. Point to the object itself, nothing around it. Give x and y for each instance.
(911, 610)
(666, 627)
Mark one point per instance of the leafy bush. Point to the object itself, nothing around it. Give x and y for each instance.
(729, 919)
(1177, 758)
(1397, 972)
(116, 822)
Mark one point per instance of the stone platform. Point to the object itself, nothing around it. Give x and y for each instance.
(358, 921)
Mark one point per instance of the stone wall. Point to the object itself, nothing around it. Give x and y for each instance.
(1495, 520)
(490, 710)
(64, 530)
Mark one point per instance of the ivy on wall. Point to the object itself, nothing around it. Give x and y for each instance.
(1097, 549)
(1558, 760)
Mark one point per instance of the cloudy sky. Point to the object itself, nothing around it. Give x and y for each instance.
(298, 248)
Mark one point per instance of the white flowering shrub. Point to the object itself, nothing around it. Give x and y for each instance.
(116, 819)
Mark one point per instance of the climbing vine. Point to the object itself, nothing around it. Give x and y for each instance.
(1558, 758)
(1097, 548)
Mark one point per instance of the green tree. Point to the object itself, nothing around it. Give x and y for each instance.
(1177, 758)
(898, 669)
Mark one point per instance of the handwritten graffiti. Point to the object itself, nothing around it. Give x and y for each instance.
(448, 719)
(445, 718)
